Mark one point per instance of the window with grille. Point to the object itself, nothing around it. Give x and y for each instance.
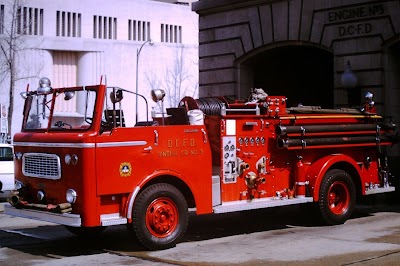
(68, 24)
(29, 21)
(138, 30)
(171, 33)
(104, 27)
(1, 19)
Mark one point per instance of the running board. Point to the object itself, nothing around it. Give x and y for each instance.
(244, 205)
(112, 219)
(379, 190)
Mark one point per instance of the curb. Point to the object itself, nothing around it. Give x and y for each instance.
(2, 206)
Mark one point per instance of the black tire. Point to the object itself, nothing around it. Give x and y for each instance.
(337, 197)
(160, 216)
(86, 231)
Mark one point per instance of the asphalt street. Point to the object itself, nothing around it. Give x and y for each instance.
(275, 237)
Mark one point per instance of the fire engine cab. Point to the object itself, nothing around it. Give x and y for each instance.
(210, 155)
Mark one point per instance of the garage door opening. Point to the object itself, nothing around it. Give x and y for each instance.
(302, 73)
(392, 105)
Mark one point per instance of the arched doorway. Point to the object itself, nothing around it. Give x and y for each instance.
(302, 73)
(392, 82)
(392, 96)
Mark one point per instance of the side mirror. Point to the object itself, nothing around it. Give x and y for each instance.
(117, 96)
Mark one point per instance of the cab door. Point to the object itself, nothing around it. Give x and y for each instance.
(123, 157)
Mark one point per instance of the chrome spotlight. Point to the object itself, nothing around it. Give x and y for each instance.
(68, 95)
(157, 95)
(24, 95)
(369, 96)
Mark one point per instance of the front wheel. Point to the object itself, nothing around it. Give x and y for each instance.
(336, 197)
(160, 216)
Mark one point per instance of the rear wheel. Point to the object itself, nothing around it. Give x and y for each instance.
(336, 197)
(160, 216)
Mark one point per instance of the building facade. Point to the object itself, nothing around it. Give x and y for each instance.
(302, 49)
(77, 43)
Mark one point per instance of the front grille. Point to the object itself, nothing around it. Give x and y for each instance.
(41, 165)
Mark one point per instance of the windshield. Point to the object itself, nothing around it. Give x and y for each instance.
(73, 109)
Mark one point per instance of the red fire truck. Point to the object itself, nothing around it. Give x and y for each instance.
(209, 155)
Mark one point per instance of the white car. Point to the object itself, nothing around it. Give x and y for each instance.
(6, 169)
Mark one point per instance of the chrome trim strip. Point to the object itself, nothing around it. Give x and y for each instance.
(244, 205)
(65, 219)
(54, 145)
(121, 144)
(81, 145)
(130, 203)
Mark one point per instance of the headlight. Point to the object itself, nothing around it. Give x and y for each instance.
(71, 159)
(18, 184)
(74, 159)
(67, 159)
(71, 196)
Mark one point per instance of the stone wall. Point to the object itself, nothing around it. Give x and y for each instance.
(358, 32)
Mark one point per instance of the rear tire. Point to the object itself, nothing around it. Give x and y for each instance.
(160, 216)
(337, 197)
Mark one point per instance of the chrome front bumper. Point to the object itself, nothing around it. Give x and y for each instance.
(58, 218)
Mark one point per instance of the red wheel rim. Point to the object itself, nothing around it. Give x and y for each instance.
(162, 217)
(339, 197)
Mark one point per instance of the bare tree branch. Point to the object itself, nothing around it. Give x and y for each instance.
(176, 77)
(13, 43)
(177, 80)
